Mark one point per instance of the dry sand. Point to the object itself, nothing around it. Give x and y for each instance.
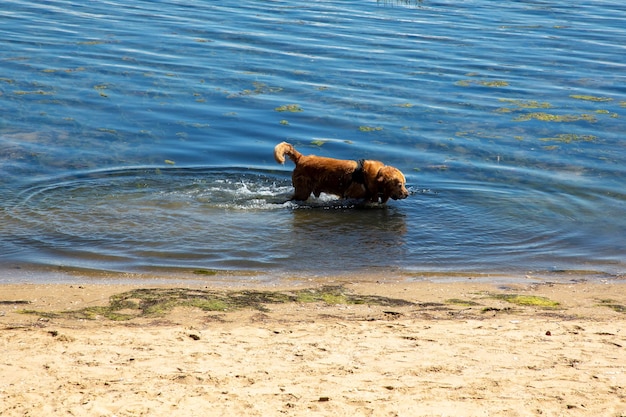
(437, 357)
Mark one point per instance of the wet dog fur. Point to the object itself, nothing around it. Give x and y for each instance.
(369, 180)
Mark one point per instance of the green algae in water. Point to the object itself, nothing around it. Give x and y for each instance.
(318, 142)
(36, 92)
(100, 89)
(292, 108)
(370, 128)
(497, 83)
(411, 3)
(590, 98)
(569, 138)
(548, 117)
(259, 88)
(483, 83)
(526, 104)
(505, 110)
(96, 42)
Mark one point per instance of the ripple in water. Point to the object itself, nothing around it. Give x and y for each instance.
(146, 219)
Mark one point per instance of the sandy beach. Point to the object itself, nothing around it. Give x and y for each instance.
(354, 349)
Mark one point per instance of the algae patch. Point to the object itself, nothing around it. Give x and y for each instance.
(318, 142)
(370, 128)
(522, 104)
(590, 98)
(569, 138)
(613, 305)
(483, 83)
(35, 92)
(461, 302)
(259, 88)
(548, 117)
(292, 108)
(155, 302)
(527, 300)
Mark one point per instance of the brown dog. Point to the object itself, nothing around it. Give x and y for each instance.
(365, 179)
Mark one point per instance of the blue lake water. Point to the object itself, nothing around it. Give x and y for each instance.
(137, 136)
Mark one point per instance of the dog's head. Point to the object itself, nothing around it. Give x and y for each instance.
(384, 181)
(391, 184)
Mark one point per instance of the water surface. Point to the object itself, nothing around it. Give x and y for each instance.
(137, 136)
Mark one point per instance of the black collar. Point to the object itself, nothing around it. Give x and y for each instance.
(358, 176)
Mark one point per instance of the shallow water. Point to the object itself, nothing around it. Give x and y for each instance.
(138, 136)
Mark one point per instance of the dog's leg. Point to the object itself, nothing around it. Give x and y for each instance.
(301, 194)
(302, 185)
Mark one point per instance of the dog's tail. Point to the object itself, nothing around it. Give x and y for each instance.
(283, 149)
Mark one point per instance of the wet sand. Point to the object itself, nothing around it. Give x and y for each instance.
(460, 349)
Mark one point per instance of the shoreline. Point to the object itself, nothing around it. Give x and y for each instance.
(47, 274)
(360, 348)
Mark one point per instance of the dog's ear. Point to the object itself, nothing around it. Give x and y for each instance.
(382, 177)
(371, 177)
(371, 170)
